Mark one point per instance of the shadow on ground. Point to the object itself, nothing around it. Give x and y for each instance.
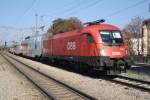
(141, 68)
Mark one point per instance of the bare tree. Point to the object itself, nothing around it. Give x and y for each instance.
(134, 27)
(133, 30)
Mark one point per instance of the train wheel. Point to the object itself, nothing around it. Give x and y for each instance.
(81, 67)
(121, 66)
(128, 66)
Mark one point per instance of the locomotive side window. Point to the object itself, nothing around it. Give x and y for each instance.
(89, 38)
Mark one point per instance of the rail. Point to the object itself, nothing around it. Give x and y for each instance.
(54, 89)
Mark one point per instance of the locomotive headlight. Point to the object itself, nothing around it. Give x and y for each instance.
(102, 51)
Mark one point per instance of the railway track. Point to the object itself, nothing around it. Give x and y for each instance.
(132, 82)
(51, 87)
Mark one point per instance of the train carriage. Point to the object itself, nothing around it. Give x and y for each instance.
(23, 48)
(32, 46)
(17, 49)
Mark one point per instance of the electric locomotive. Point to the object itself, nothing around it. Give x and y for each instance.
(95, 46)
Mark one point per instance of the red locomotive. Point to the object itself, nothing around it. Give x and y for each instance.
(97, 46)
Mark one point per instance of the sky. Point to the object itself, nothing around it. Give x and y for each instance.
(18, 17)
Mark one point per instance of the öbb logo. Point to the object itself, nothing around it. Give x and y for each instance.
(71, 45)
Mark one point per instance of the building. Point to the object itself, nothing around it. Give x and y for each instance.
(146, 37)
(136, 45)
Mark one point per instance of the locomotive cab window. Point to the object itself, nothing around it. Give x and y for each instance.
(111, 37)
(89, 38)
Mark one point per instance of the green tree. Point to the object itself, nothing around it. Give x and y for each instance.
(63, 25)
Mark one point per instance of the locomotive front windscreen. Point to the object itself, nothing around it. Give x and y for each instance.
(111, 37)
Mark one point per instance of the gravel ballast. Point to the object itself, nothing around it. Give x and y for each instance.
(14, 86)
(96, 87)
(139, 72)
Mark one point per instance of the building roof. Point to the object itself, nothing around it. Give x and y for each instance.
(146, 21)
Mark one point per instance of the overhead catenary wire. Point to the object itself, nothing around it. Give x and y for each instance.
(77, 6)
(81, 8)
(82, 5)
(125, 9)
(15, 28)
(25, 12)
(65, 8)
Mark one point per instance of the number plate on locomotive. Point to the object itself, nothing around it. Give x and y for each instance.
(115, 53)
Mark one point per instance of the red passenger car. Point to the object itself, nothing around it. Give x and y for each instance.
(98, 46)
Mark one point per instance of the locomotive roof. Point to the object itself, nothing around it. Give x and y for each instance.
(102, 27)
(86, 29)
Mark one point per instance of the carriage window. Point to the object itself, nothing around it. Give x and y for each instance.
(89, 38)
